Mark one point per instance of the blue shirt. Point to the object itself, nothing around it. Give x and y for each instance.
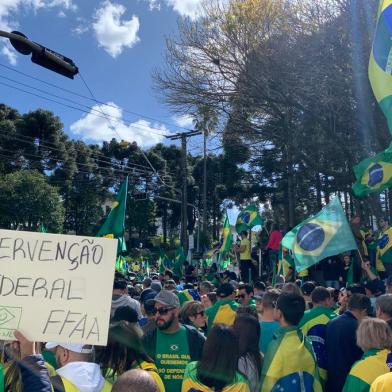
(267, 331)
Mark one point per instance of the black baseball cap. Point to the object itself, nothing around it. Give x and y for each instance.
(224, 290)
(125, 313)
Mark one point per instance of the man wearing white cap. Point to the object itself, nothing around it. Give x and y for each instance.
(77, 370)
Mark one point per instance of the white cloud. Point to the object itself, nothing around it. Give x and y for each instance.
(154, 5)
(97, 129)
(189, 8)
(112, 33)
(9, 53)
(81, 29)
(184, 120)
(9, 10)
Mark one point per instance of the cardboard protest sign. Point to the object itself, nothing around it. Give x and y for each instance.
(56, 287)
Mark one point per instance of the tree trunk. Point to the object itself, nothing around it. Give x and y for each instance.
(326, 190)
(318, 191)
(205, 182)
(346, 206)
(290, 198)
(164, 223)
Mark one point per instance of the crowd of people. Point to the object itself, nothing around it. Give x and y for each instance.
(223, 331)
(234, 337)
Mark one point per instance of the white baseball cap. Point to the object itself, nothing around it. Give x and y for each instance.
(76, 348)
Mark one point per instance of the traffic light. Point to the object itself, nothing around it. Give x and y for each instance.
(44, 57)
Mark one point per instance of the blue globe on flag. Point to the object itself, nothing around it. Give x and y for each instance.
(245, 217)
(310, 237)
(376, 175)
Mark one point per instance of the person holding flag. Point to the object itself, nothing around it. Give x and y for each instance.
(326, 234)
(246, 220)
(384, 245)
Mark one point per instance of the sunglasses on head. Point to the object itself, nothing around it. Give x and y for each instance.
(163, 311)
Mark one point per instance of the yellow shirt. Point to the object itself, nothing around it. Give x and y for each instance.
(245, 255)
(382, 383)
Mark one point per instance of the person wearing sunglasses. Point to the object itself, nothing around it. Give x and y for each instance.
(172, 345)
(192, 313)
(245, 295)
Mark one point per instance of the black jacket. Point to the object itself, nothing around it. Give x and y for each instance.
(195, 343)
(35, 377)
(342, 350)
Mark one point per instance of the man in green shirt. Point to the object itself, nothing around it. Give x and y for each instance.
(172, 345)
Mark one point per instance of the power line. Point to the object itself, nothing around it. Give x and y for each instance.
(27, 154)
(118, 119)
(90, 111)
(92, 99)
(13, 159)
(141, 151)
(100, 159)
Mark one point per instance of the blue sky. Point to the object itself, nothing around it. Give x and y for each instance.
(116, 44)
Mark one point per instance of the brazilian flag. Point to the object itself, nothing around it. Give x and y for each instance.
(248, 218)
(374, 174)
(289, 364)
(162, 262)
(227, 236)
(179, 261)
(121, 265)
(325, 234)
(384, 246)
(380, 63)
(114, 223)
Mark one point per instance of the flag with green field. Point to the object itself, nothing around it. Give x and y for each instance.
(380, 63)
(248, 218)
(227, 236)
(113, 226)
(121, 265)
(374, 174)
(384, 246)
(328, 233)
(162, 262)
(179, 261)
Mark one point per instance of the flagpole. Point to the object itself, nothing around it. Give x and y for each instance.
(260, 260)
(125, 206)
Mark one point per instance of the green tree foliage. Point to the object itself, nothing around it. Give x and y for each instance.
(26, 200)
(288, 81)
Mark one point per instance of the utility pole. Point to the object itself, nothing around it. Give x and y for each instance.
(184, 194)
(205, 183)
